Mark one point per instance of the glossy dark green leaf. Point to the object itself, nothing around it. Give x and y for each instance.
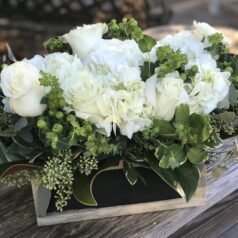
(20, 124)
(197, 155)
(130, 172)
(83, 184)
(188, 177)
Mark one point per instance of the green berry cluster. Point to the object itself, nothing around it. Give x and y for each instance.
(58, 176)
(126, 29)
(169, 60)
(87, 164)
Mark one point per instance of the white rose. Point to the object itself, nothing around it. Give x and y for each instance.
(81, 94)
(203, 30)
(84, 39)
(211, 86)
(20, 83)
(166, 94)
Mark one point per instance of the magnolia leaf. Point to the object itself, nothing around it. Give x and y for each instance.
(173, 157)
(146, 43)
(167, 175)
(147, 70)
(182, 114)
(188, 177)
(13, 167)
(166, 130)
(83, 184)
(218, 172)
(130, 172)
(197, 155)
(200, 128)
(3, 157)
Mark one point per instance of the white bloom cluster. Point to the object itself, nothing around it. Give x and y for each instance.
(208, 87)
(102, 80)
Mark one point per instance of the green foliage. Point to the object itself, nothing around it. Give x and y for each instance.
(130, 172)
(146, 43)
(173, 157)
(21, 178)
(217, 48)
(147, 70)
(57, 44)
(86, 165)
(58, 175)
(169, 60)
(126, 29)
(197, 155)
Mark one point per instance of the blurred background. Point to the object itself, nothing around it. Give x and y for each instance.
(26, 24)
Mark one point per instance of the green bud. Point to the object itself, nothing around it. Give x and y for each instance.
(51, 113)
(229, 69)
(71, 118)
(183, 76)
(57, 128)
(113, 21)
(50, 136)
(124, 20)
(133, 22)
(41, 123)
(62, 102)
(59, 115)
(235, 80)
(194, 69)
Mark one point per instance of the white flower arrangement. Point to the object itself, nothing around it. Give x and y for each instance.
(151, 103)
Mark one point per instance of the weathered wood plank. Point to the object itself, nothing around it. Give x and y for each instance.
(215, 222)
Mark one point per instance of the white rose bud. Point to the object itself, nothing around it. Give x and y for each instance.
(84, 39)
(20, 83)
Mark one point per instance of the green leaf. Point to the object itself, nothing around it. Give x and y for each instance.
(146, 43)
(188, 177)
(147, 70)
(130, 172)
(67, 142)
(167, 175)
(166, 130)
(197, 155)
(13, 167)
(200, 128)
(173, 157)
(182, 114)
(227, 117)
(20, 124)
(3, 157)
(232, 95)
(83, 184)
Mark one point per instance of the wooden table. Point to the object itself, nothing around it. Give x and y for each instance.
(17, 215)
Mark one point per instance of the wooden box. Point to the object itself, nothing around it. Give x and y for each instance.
(125, 202)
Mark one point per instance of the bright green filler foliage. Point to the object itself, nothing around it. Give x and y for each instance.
(65, 153)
